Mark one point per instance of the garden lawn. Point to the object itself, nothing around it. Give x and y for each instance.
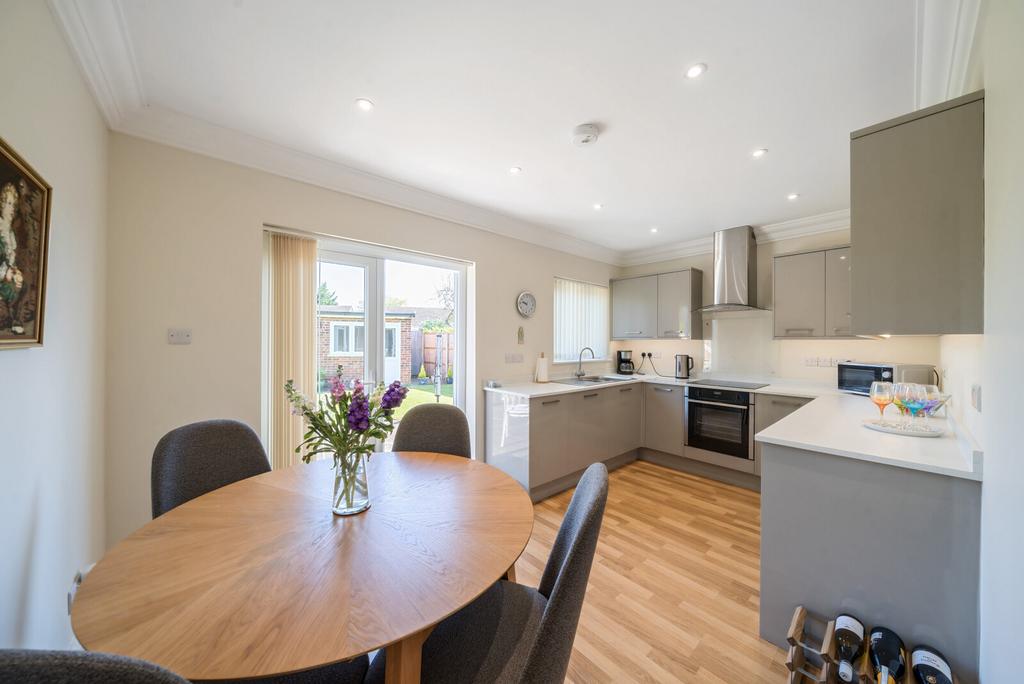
(423, 394)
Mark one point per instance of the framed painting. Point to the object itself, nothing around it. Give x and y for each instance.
(24, 234)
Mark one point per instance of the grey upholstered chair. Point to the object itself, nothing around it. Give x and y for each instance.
(513, 633)
(442, 428)
(79, 667)
(197, 458)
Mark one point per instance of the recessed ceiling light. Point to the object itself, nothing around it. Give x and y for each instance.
(654, 229)
(793, 196)
(696, 70)
(364, 104)
(598, 207)
(760, 152)
(515, 170)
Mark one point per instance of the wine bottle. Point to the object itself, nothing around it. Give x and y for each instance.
(849, 637)
(888, 656)
(929, 666)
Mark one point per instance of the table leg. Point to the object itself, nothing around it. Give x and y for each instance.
(510, 574)
(403, 659)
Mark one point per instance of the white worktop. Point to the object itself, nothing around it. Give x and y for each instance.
(833, 424)
(775, 386)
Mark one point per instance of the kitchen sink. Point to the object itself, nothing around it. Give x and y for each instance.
(587, 380)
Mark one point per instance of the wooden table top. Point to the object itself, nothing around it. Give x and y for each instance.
(260, 578)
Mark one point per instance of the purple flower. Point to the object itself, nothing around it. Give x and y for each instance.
(359, 410)
(393, 396)
(336, 386)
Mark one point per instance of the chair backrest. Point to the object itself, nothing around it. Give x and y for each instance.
(441, 428)
(79, 667)
(564, 582)
(195, 459)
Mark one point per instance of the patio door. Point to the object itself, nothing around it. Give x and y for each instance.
(386, 315)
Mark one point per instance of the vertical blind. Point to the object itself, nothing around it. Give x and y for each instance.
(581, 319)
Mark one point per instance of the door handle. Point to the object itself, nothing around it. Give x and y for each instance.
(589, 396)
(549, 402)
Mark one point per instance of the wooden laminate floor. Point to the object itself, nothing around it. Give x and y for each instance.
(673, 593)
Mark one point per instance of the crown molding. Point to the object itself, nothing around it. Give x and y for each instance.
(98, 36)
(168, 127)
(945, 34)
(772, 232)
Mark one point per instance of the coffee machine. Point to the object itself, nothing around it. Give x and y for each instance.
(684, 364)
(624, 362)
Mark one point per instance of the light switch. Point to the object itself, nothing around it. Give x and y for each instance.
(179, 336)
(976, 397)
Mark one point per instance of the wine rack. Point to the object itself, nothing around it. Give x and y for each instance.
(824, 666)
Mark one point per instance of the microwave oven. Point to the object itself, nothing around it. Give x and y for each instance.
(856, 378)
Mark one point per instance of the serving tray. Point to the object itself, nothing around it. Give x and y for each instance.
(924, 431)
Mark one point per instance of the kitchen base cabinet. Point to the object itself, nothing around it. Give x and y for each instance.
(768, 410)
(546, 442)
(663, 418)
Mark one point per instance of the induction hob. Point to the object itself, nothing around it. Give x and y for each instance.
(729, 384)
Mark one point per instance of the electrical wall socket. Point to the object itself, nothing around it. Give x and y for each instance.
(513, 357)
(811, 361)
(179, 336)
(655, 355)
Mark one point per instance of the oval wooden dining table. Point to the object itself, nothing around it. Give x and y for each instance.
(259, 578)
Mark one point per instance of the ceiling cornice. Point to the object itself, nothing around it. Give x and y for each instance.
(98, 35)
(772, 232)
(945, 33)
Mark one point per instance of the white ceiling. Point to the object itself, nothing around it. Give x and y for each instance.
(465, 90)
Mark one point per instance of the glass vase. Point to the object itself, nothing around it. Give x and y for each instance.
(351, 494)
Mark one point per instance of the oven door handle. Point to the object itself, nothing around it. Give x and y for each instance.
(717, 403)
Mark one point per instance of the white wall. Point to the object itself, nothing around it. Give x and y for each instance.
(1002, 503)
(961, 362)
(185, 250)
(742, 343)
(51, 422)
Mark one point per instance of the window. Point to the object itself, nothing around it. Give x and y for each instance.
(347, 339)
(581, 319)
(390, 342)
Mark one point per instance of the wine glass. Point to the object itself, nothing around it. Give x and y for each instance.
(881, 394)
(935, 400)
(900, 392)
(915, 399)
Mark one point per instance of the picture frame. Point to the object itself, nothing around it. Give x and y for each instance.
(25, 200)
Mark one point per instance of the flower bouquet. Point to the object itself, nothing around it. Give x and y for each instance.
(347, 423)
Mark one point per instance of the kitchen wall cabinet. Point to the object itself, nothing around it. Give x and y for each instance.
(917, 221)
(663, 418)
(634, 308)
(837, 293)
(799, 295)
(679, 302)
(812, 294)
(768, 410)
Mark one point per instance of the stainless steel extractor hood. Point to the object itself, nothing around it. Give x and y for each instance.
(735, 270)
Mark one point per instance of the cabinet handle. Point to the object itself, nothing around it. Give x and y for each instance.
(588, 396)
(796, 330)
(625, 389)
(840, 330)
(663, 389)
(548, 403)
(634, 332)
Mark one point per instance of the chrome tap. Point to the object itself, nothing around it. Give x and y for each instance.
(579, 368)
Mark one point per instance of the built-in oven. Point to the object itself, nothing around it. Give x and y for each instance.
(720, 427)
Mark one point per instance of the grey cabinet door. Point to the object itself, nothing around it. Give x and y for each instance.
(800, 295)
(589, 434)
(624, 416)
(679, 301)
(837, 293)
(550, 456)
(663, 418)
(768, 410)
(635, 308)
(917, 222)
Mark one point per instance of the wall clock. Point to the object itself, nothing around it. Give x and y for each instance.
(526, 304)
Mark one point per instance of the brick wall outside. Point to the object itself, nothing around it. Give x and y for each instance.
(353, 365)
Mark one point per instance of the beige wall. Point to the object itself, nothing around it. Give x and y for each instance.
(1002, 503)
(185, 250)
(51, 407)
(743, 343)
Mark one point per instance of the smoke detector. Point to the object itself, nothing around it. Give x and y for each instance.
(585, 134)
